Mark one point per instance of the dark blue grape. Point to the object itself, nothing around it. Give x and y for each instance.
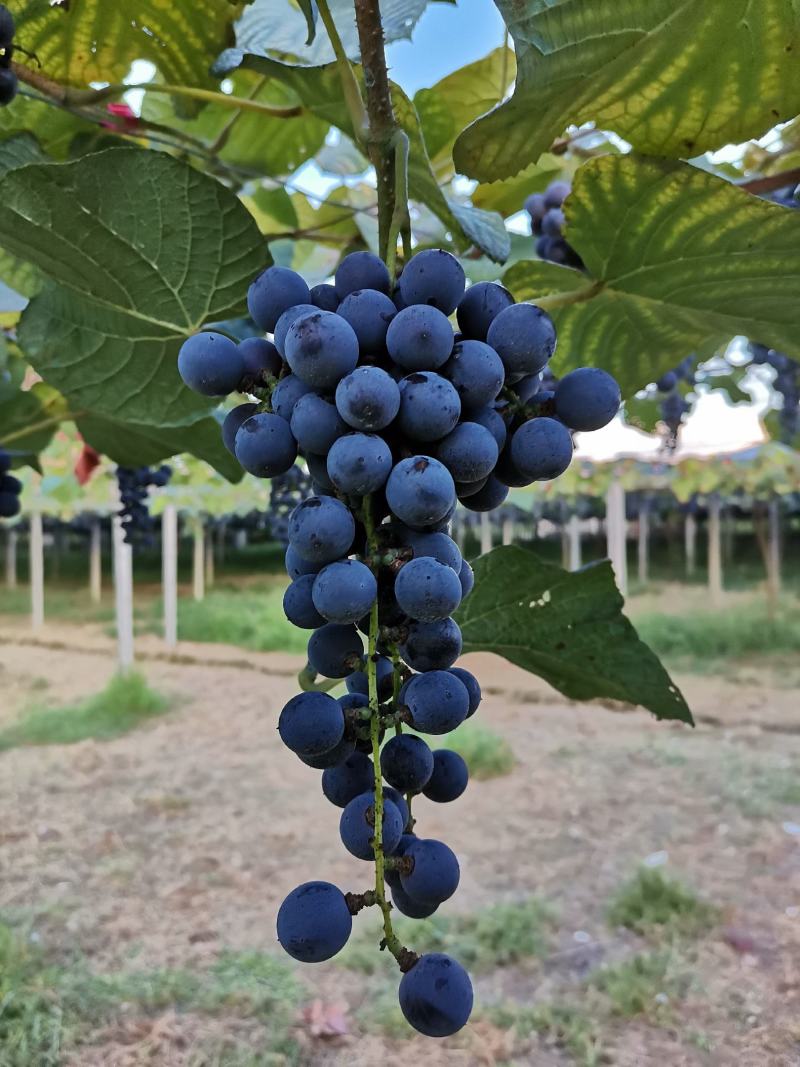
(318, 469)
(324, 297)
(361, 270)
(436, 995)
(433, 277)
(10, 505)
(265, 446)
(286, 394)
(535, 206)
(8, 85)
(350, 779)
(480, 306)
(437, 700)
(487, 499)
(233, 420)
(477, 374)
(296, 566)
(289, 316)
(541, 449)
(332, 758)
(469, 452)
(493, 421)
(7, 28)
(357, 826)
(556, 193)
(429, 406)
(311, 723)
(553, 222)
(368, 399)
(406, 763)
(437, 545)
(298, 604)
(314, 922)
(334, 650)
(321, 348)
(528, 387)
(427, 589)
(420, 338)
(467, 489)
(449, 777)
(412, 908)
(211, 364)
(261, 358)
(273, 291)
(359, 463)
(369, 312)
(344, 591)
(321, 529)
(587, 398)
(316, 423)
(399, 802)
(435, 874)
(420, 491)
(524, 337)
(470, 682)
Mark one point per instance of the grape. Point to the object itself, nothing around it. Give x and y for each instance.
(507, 471)
(469, 452)
(298, 604)
(316, 423)
(493, 422)
(357, 682)
(553, 222)
(211, 364)
(7, 27)
(321, 529)
(8, 89)
(407, 763)
(233, 420)
(359, 463)
(314, 922)
(437, 545)
(369, 312)
(428, 590)
(437, 700)
(477, 373)
(286, 394)
(435, 874)
(318, 469)
(321, 348)
(357, 826)
(333, 757)
(273, 291)
(350, 779)
(264, 445)
(587, 398)
(324, 297)
(368, 398)
(420, 338)
(361, 270)
(289, 316)
(429, 406)
(480, 306)
(449, 777)
(420, 491)
(524, 337)
(260, 358)
(10, 505)
(470, 683)
(311, 723)
(467, 489)
(541, 449)
(529, 386)
(134, 485)
(334, 650)
(487, 499)
(433, 277)
(296, 566)
(412, 908)
(399, 802)
(535, 206)
(344, 591)
(436, 995)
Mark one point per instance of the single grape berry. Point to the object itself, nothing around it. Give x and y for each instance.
(480, 306)
(477, 374)
(349, 779)
(324, 297)
(414, 909)
(211, 364)
(296, 566)
(261, 358)
(429, 406)
(314, 922)
(321, 529)
(427, 589)
(273, 292)
(587, 398)
(359, 463)
(435, 872)
(369, 312)
(344, 591)
(298, 604)
(316, 424)
(471, 683)
(432, 646)
(333, 757)
(541, 449)
(399, 802)
(334, 650)
(233, 420)
(469, 452)
(524, 337)
(488, 498)
(437, 700)
(420, 491)
(491, 420)
(433, 277)
(286, 394)
(436, 995)
(420, 338)
(357, 826)
(368, 399)
(449, 777)
(437, 545)
(8, 86)
(311, 723)
(264, 445)
(406, 763)
(285, 321)
(361, 270)
(321, 348)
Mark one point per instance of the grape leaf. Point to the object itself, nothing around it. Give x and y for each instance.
(657, 72)
(97, 40)
(565, 627)
(144, 250)
(29, 418)
(677, 260)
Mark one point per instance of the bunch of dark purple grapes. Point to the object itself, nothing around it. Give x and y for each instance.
(8, 79)
(786, 382)
(674, 405)
(286, 491)
(547, 223)
(398, 418)
(134, 489)
(10, 488)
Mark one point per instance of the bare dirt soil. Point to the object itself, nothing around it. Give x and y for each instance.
(166, 846)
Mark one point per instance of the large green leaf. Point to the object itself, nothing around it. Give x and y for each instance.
(97, 40)
(567, 628)
(673, 77)
(144, 250)
(508, 197)
(17, 151)
(133, 445)
(28, 419)
(677, 260)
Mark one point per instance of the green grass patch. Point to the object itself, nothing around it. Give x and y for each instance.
(646, 984)
(486, 754)
(125, 703)
(46, 1009)
(560, 1026)
(493, 937)
(651, 901)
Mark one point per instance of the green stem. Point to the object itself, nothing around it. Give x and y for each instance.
(352, 93)
(400, 212)
(574, 296)
(208, 96)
